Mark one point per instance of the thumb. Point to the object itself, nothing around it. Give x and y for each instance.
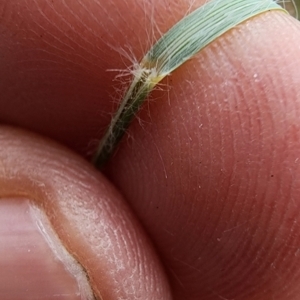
(65, 230)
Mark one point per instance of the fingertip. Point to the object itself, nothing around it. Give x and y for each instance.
(56, 58)
(216, 163)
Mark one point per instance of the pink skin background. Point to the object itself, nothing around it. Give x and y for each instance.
(210, 168)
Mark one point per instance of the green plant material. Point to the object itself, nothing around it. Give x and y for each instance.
(179, 44)
(292, 6)
(297, 9)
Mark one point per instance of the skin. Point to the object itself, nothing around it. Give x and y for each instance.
(210, 168)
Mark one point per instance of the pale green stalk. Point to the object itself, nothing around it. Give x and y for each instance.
(179, 44)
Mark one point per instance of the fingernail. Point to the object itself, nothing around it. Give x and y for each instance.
(33, 262)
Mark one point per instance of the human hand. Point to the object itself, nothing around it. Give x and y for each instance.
(209, 168)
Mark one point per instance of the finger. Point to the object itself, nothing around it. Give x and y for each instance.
(213, 171)
(45, 188)
(57, 59)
